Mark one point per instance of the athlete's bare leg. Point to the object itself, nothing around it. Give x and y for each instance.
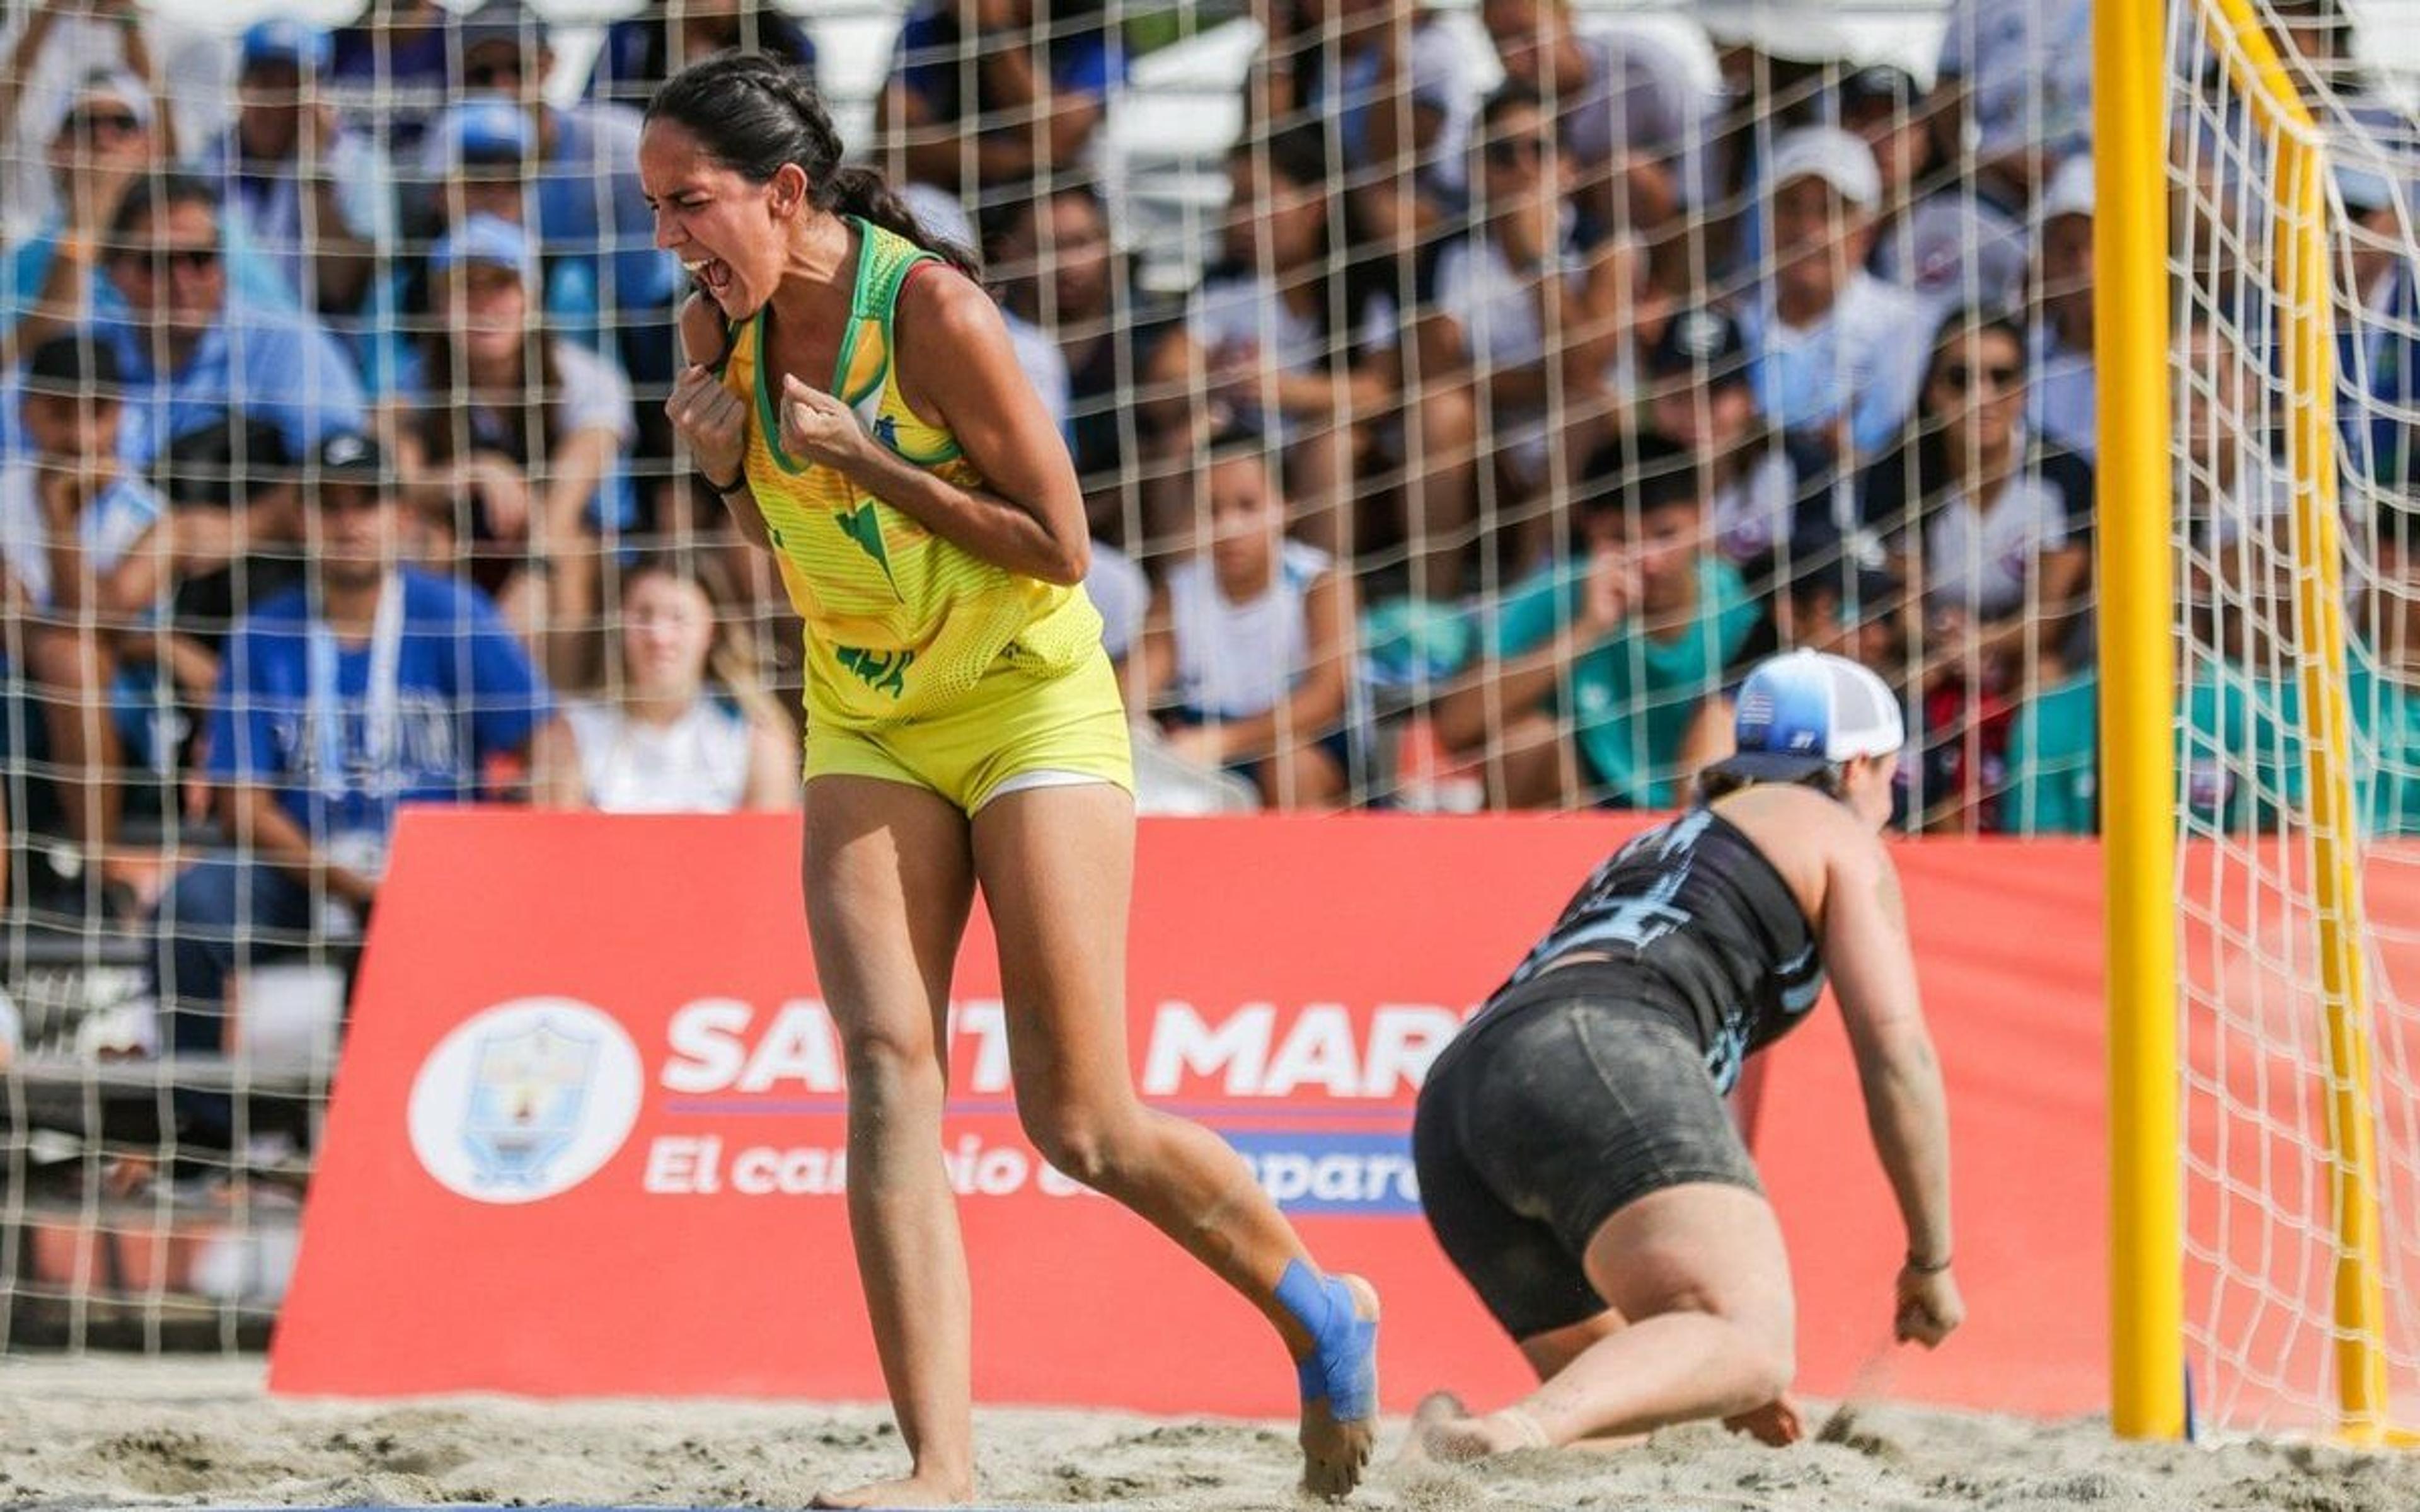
(1700, 1274)
(1778, 1422)
(889, 882)
(1057, 867)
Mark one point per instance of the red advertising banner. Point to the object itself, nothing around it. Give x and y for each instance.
(587, 1138)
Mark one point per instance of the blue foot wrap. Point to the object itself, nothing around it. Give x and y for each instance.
(1342, 1365)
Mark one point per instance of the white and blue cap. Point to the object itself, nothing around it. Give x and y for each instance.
(490, 239)
(1804, 711)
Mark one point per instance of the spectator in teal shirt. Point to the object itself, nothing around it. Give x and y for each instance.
(2240, 736)
(1605, 668)
(2053, 775)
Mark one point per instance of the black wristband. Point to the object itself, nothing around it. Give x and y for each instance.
(724, 490)
(1922, 1269)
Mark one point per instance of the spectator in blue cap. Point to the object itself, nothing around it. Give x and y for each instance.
(590, 212)
(583, 159)
(512, 443)
(310, 193)
(486, 150)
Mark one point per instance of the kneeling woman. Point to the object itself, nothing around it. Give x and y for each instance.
(1575, 1157)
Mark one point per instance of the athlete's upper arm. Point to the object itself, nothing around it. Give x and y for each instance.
(1866, 946)
(954, 354)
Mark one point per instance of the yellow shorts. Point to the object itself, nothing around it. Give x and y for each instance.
(1017, 722)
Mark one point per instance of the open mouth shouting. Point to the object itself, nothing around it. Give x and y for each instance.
(711, 274)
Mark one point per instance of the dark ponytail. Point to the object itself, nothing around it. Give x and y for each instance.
(755, 114)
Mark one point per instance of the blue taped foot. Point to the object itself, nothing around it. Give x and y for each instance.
(1342, 1369)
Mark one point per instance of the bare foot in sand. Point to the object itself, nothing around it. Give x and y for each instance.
(1444, 1430)
(1436, 1407)
(1334, 1451)
(1777, 1423)
(913, 1490)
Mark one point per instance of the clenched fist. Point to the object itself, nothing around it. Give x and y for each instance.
(712, 420)
(818, 427)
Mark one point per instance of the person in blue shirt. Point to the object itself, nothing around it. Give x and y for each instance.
(390, 71)
(195, 354)
(370, 686)
(981, 101)
(311, 193)
(586, 186)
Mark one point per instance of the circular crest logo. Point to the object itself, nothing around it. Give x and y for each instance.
(525, 1099)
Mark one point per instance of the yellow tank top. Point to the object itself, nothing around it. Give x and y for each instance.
(898, 620)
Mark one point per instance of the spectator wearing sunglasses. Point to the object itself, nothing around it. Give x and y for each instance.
(102, 142)
(1991, 530)
(201, 355)
(107, 142)
(1535, 327)
(1624, 107)
(48, 48)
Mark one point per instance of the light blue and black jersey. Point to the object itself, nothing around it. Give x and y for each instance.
(1703, 932)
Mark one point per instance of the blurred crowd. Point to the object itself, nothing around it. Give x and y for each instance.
(1534, 380)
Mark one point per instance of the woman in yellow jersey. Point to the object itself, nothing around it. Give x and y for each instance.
(853, 397)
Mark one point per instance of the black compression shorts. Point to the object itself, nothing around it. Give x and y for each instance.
(1573, 1103)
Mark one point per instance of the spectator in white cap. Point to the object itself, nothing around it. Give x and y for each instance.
(2064, 405)
(288, 164)
(1835, 367)
(49, 47)
(103, 140)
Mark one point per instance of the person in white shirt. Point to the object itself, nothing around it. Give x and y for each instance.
(1624, 105)
(1835, 368)
(1990, 529)
(1540, 331)
(2064, 405)
(682, 727)
(80, 564)
(1288, 340)
(1249, 651)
